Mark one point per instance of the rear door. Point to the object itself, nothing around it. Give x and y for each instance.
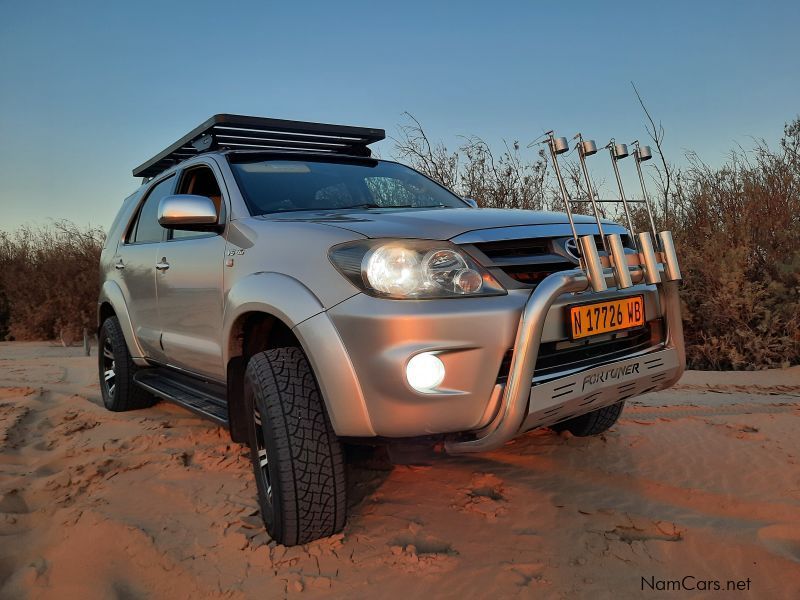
(136, 260)
(190, 301)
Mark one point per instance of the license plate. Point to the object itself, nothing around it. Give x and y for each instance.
(601, 317)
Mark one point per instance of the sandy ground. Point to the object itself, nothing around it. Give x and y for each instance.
(702, 481)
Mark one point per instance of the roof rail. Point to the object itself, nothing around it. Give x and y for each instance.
(239, 132)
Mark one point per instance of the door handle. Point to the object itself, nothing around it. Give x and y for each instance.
(163, 265)
(119, 264)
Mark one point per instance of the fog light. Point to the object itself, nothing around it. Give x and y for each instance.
(424, 372)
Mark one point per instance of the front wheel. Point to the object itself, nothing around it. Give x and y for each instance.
(593, 423)
(296, 456)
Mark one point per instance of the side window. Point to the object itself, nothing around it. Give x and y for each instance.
(199, 181)
(147, 228)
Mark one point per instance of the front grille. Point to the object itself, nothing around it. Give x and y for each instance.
(515, 248)
(529, 261)
(533, 274)
(559, 357)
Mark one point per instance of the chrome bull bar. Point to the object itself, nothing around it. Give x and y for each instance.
(650, 265)
(516, 393)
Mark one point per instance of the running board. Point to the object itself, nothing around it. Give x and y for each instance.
(203, 398)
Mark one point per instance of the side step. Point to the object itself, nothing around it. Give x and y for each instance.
(204, 398)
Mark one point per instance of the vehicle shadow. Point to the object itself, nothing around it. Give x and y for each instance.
(368, 467)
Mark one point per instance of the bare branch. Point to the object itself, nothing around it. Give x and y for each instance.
(656, 134)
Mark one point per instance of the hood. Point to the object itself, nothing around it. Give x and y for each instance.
(428, 223)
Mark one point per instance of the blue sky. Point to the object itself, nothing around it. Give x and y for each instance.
(88, 90)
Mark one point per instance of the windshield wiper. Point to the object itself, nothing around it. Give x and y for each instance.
(367, 205)
(373, 205)
(286, 210)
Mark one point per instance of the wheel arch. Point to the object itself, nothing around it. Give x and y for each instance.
(269, 310)
(104, 311)
(251, 332)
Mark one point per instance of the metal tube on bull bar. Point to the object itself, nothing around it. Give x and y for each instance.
(587, 148)
(592, 264)
(645, 243)
(641, 154)
(618, 152)
(621, 271)
(558, 146)
(671, 268)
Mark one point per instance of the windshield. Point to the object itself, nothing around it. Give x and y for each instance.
(272, 186)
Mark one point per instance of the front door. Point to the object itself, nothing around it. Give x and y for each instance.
(189, 286)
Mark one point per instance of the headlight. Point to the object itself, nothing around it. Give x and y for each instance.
(413, 269)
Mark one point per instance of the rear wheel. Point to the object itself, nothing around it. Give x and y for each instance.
(592, 423)
(116, 371)
(296, 456)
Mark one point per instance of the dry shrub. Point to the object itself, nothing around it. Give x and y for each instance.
(49, 279)
(738, 235)
(735, 321)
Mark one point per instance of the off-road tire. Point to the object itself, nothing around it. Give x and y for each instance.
(301, 481)
(593, 423)
(125, 394)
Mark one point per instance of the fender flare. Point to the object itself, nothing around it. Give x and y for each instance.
(287, 299)
(276, 294)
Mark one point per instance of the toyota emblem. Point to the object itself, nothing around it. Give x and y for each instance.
(571, 248)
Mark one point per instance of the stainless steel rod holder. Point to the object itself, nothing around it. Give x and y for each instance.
(582, 153)
(591, 263)
(620, 260)
(614, 149)
(648, 257)
(672, 270)
(557, 146)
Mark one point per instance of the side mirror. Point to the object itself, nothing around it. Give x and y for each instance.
(187, 211)
(472, 202)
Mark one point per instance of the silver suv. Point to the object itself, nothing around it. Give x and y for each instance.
(272, 276)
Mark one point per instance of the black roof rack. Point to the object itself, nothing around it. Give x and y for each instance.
(239, 132)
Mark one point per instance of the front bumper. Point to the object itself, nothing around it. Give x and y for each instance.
(470, 335)
(360, 361)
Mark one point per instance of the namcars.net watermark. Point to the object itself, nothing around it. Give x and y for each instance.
(690, 583)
